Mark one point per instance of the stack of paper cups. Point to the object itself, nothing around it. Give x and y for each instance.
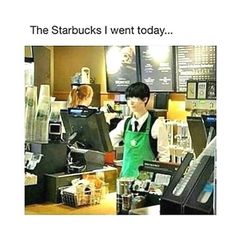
(30, 112)
(42, 117)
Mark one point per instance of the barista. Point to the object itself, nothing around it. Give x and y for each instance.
(80, 96)
(144, 136)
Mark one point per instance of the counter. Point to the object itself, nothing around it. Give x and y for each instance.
(152, 210)
(107, 206)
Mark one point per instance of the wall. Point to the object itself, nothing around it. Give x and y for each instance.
(51, 67)
(42, 66)
(70, 59)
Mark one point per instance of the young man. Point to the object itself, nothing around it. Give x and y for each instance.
(142, 134)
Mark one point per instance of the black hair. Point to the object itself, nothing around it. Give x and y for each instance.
(138, 90)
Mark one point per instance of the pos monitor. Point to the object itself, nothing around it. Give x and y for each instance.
(88, 128)
(210, 124)
(198, 134)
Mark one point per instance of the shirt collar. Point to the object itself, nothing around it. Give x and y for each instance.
(141, 120)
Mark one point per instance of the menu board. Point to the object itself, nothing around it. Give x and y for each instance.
(194, 63)
(156, 64)
(121, 68)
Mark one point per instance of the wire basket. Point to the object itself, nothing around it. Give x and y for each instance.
(74, 198)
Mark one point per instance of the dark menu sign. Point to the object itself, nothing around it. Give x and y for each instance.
(120, 67)
(194, 63)
(156, 64)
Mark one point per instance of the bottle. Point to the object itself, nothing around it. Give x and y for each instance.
(85, 75)
(163, 144)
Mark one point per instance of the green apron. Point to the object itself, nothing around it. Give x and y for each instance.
(136, 150)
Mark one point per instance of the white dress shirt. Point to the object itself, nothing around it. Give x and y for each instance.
(158, 132)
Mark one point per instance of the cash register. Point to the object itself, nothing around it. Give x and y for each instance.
(87, 136)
